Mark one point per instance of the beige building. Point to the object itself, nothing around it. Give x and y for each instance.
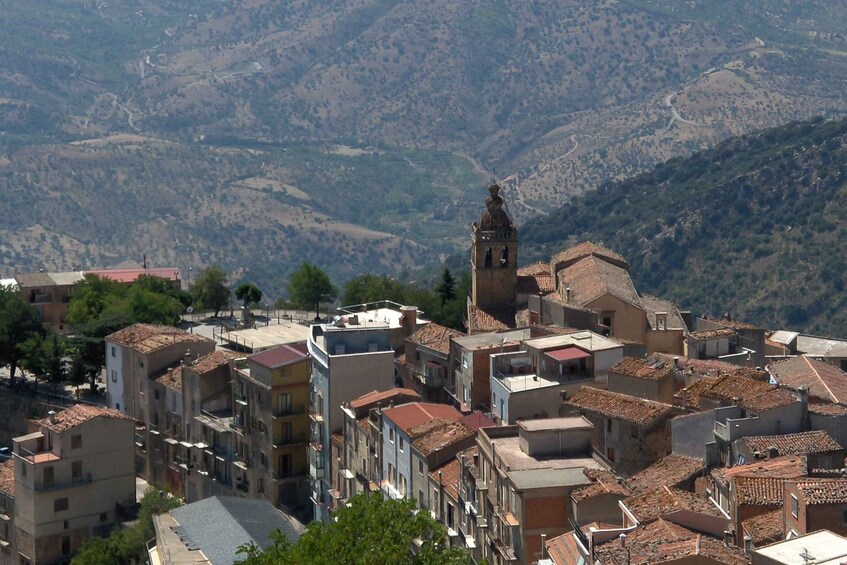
(72, 474)
(8, 549)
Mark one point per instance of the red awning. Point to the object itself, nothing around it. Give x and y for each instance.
(568, 353)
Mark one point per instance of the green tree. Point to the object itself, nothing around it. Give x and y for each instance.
(367, 530)
(446, 287)
(309, 286)
(210, 290)
(370, 288)
(19, 322)
(248, 293)
(93, 298)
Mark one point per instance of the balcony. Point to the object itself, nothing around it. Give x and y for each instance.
(316, 462)
(292, 439)
(240, 398)
(289, 411)
(430, 373)
(316, 415)
(45, 486)
(39, 298)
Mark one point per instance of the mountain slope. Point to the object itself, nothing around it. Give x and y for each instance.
(756, 226)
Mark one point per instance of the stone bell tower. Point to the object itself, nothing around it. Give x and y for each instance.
(494, 258)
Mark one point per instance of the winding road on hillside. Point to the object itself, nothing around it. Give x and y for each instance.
(675, 117)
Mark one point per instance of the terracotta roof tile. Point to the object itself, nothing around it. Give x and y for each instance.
(653, 305)
(211, 361)
(823, 491)
(714, 368)
(648, 369)
(481, 321)
(414, 414)
(7, 477)
(537, 268)
(664, 500)
(587, 249)
(132, 275)
(434, 336)
(541, 283)
(431, 436)
(665, 542)
(712, 334)
(751, 394)
(376, 397)
(670, 471)
(172, 379)
(802, 443)
(827, 409)
(619, 406)
(603, 482)
(765, 528)
(591, 278)
(564, 550)
(758, 491)
(146, 338)
(788, 467)
(477, 420)
(448, 474)
(76, 415)
(277, 357)
(825, 381)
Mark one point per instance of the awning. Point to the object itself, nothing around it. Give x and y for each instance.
(171, 441)
(568, 354)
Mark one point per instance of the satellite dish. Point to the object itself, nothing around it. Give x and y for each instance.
(190, 309)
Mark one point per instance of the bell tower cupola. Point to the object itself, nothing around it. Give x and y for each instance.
(494, 256)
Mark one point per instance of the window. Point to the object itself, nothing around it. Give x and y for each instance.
(633, 431)
(610, 454)
(156, 394)
(114, 376)
(103, 517)
(391, 435)
(66, 525)
(285, 465)
(76, 471)
(66, 545)
(287, 432)
(76, 441)
(421, 499)
(60, 504)
(795, 506)
(420, 467)
(402, 443)
(23, 469)
(283, 403)
(48, 476)
(844, 516)
(609, 425)
(114, 352)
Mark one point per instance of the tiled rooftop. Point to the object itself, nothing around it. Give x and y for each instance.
(758, 491)
(765, 528)
(712, 334)
(823, 491)
(7, 477)
(591, 278)
(435, 337)
(278, 357)
(430, 437)
(76, 415)
(563, 550)
(604, 483)
(448, 474)
(537, 268)
(648, 369)
(147, 338)
(659, 502)
(212, 361)
(587, 249)
(619, 406)
(539, 283)
(713, 368)
(751, 394)
(669, 471)
(172, 379)
(376, 397)
(802, 443)
(483, 321)
(825, 381)
(412, 415)
(788, 467)
(827, 409)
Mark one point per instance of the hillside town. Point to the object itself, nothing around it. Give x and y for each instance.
(576, 420)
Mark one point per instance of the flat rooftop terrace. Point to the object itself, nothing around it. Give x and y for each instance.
(258, 339)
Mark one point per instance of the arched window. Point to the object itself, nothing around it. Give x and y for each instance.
(504, 257)
(488, 258)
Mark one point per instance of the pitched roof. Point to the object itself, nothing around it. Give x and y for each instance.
(539, 283)
(414, 414)
(278, 357)
(480, 320)
(537, 268)
(713, 368)
(825, 381)
(712, 334)
(604, 482)
(377, 397)
(591, 278)
(827, 409)
(434, 336)
(664, 500)
(764, 528)
(563, 550)
(758, 491)
(476, 420)
(76, 415)
(431, 437)
(751, 394)
(172, 379)
(788, 467)
(211, 361)
(665, 542)
(587, 249)
(823, 491)
(647, 369)
(7, 477)
(671, 471)
(802, 443)
(146, 338)
(620, 406)
(653, 305)
(449, 475)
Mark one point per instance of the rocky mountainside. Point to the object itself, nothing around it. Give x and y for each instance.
(756, 227)
(382, 116)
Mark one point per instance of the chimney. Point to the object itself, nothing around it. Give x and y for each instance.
(52, 415)
(408, 319)
(543, 546)
(568, 295)
(728, 538)
(676, 362)
(772, 452)
(748, 544)
(804, 401)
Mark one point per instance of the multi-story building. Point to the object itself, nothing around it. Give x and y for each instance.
(526, 475)
(271, 421)
(136, 357)
(72, 476)
(815, 504)
(350, 357)
(361, 452)
(425, 361)
(8, 548)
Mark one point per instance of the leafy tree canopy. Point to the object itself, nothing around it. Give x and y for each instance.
(309, 286)
(368, 530)
(371, 288)
(210, 290)
(248, 293)
(19, 322)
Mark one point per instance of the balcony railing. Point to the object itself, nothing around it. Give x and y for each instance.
(293, 439)
(289, 411)
(240, 398)
(430, 374)
(42, 486)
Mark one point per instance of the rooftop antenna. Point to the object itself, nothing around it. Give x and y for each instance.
(145, 261)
